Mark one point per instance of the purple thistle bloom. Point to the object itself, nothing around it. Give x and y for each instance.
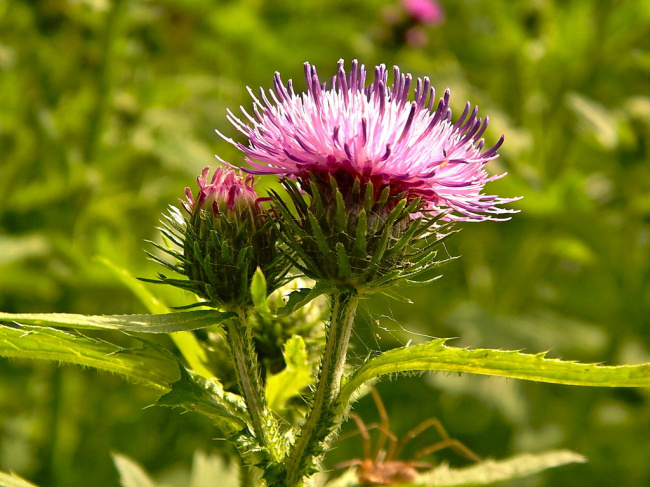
(373, 133)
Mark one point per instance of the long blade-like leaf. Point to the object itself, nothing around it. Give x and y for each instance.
(436, 356)
(491, 472)
(189, 346)
(163, 323)
(147, 365)
(488, 472)
(13, 480)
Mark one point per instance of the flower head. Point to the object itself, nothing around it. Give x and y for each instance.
(227, 236)
(428, 12)
(227, 193)
(372, 133)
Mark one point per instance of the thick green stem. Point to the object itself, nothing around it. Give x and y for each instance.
(321, 419)
(248, 379)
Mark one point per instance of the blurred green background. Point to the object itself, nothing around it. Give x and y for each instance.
(108, 110)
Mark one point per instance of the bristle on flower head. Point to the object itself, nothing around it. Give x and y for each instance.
(350, 130)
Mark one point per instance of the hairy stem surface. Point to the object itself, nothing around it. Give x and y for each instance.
(248, 379)
(321, 419)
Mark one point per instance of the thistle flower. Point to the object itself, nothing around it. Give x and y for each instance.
(227, 236)
(374, 134)
(383, 174)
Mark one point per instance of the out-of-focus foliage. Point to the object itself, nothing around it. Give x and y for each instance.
(107, 110)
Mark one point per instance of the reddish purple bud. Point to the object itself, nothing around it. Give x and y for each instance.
(227, 193)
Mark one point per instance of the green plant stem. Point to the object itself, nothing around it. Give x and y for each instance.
(245, 362)
(321, 419)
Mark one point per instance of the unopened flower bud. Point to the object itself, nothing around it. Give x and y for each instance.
(226, 237)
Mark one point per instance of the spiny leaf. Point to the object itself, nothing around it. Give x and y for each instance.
(195, 393)
(301, 297)
(186, 342)
(436, 356)
(490, 472)
(297, 299)
(148, 365)
(162, 323)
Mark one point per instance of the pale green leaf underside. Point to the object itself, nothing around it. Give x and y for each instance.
(131, 474)
(488, 472)
(146, 365)
(162, 323)
(491, 472)
(436, 356)
(12, 480)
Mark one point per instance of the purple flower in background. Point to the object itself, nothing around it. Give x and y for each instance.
(371, 132)
(428, 12)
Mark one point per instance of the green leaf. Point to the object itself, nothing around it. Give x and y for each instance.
(296, 375)
(297, 299)
(206, 396)
(152, 303)
(490, 472)
(258, 294)
(207, 468)
(186, 342)
(163, 323)
(13, 480)
(148, 365)
(131, 474)
(435, 355)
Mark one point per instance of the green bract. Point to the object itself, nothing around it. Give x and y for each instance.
(356, 237)
(220, 253)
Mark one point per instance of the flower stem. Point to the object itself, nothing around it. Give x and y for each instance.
(321, 420)
(245, 362)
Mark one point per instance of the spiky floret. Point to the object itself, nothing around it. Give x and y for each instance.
(372, 133)
(225, 238)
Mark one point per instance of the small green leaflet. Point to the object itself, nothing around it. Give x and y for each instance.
(297, 299)
(195, 393)
(296, 375)
(164, 323)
